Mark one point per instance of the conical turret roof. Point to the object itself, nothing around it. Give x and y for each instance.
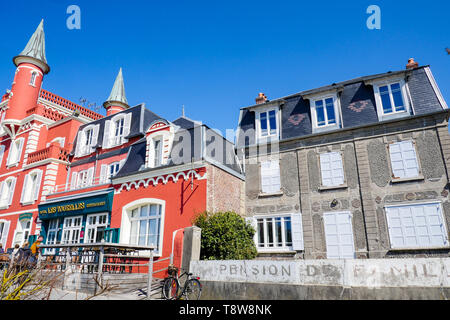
(34, 51)
(118, 90)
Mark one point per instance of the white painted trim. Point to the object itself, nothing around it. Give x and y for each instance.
(379, 105)
(336, 106)
(436, 89)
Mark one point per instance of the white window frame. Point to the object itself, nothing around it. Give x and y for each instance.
(265, 246)
(336, 108)
(110, 139)
(274, 136)
(270, 170)
(6, 198)
(85, 147)
(71, 229)
(322, 169)
(391, 226)
(55, 230)
(33, 78)
(84, 178)
(379, 104)
(395, 178)
(95, 225)
(30, 192)
(166, 137)
(15, 152)
(125, 228)
(23, 232)
(2, 153)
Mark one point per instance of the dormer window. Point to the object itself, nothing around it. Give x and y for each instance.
(116, 130)
(158, 152)
(160, 137)
(87, 140)
(325, 113)
(391, 99)
(267, 123)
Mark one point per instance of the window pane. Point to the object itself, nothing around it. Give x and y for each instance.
(263, 121)
(134, 230)
(260, 230)
(320, 113)
(278, 232)
(385, 99)
(330, 111)
(269, 226)
(288, 231)
(397, 96)
(154, 209)
(142, 232)
(144, 211)
(272, 122)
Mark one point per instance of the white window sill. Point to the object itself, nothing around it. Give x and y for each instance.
(271, 194)
(276, 250)
(4, 206)
(393, 115)
(26, 203)
(11, 165)
(396, 180)
(325, 188)
(328, 127)
(419, 248)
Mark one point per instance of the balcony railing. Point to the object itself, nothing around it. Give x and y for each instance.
(80, 185)
(54, 151)
(46, 95)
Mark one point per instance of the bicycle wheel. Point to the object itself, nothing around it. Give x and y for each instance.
(193, 290)
(170, 288)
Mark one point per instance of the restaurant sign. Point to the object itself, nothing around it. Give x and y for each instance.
(99, 203)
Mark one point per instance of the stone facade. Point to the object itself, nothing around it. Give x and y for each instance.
(368, 184)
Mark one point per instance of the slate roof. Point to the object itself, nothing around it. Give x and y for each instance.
(357, 105)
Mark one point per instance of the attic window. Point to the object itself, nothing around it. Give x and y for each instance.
(267, 123)
(391, 99)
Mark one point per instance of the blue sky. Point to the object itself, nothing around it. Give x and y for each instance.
(214, 57)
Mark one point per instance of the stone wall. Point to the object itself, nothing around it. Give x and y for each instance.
(368, 187)
(325, 279)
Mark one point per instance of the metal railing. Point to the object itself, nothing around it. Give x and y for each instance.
(67, 187)
(101, 258)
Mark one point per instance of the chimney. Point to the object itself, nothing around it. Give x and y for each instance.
(261, 98)
(411, 64)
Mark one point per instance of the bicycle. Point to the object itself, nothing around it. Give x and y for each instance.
(171, 289)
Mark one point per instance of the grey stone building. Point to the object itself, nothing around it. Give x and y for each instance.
(356, 169)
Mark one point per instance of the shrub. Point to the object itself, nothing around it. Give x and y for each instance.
(225, 236)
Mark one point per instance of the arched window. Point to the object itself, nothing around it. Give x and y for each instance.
(143, 223)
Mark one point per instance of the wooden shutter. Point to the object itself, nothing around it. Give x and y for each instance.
(80, 142)
(403, 159)
(94, 142)
(37, 185)
(104, 173)
(26, 181)
(332, 170)
(252, 221)
(270, 176)
(126, 126)
(73, 181)
(297, 232)
(11, 191)
(339, 235)
(5, 233)
(2, 152)
(106, 134)
(19, 152)
(90, 176)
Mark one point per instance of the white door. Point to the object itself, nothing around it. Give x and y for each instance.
(95, 227)
(52, 235)
(72, 229)
(339, 235)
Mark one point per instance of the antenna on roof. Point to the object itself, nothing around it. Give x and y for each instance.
(182, 111)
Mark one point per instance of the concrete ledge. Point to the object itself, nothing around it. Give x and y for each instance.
(219, 290)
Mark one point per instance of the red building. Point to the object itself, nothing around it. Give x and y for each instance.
(132, 177)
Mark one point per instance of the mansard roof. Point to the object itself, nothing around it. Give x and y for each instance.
(357, 104)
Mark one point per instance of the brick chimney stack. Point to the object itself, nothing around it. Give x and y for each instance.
(261, 98)
(411, 64)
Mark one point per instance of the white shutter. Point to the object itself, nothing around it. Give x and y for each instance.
(106, 134)
(403, 159)
(24, 188)
(270, 176)
(5, 233)
(20, 149)
(297, 232)
(79, 146)
(90, 176)
(339, 235)
(37, 185)
(2, 152)
(11, 191)
(103, 173)
(416, 226)
(331, 168)
(126, 126)
(73, 181)
(94, 140)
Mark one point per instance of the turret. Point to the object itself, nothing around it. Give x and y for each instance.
(117, 100)
(31, 66)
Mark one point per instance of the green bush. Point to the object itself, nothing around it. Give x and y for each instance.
(225, 236)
